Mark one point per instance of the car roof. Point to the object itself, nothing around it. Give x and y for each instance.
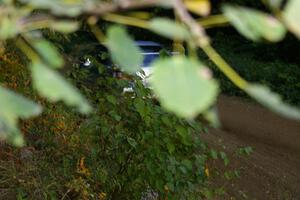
(147, 43)
(142, 43)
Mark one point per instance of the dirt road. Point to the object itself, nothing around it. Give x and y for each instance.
(272, 171)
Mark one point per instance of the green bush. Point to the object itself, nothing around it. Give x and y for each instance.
(135, 146)
(128, 148)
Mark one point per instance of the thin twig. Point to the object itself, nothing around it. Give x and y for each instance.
(27, 49)
(131, 21)
(213, 21)
(225, 67)
(197, 31)
(65, 195)
(203, 42)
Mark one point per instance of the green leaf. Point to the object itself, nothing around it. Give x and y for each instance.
(10, 132)
(132, 142)
(245, 150)
(275, 4)
(183, 86)
(291, 16)
(14, 106)
(272, 101)
(6, 1)
(186, 138)
(248, 150)
(8, 28)
(170, 147)
(224, 158)
(199, 7)
(123, 50)
(187, 163)
(140, 106)
(212, 117)
(49, 53)
(214, 154)
(112, 99)
(52, 86)
(169, 28)
(253, 24)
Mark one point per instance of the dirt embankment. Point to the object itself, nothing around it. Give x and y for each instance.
(272, 172)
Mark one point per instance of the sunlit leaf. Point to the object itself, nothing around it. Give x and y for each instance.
(200, 7)
(169, 28)
(291, 16)
(272, 101)
(6, 1)
(212, 117)
(8, 28)
(13, 107)
(253, 24)
(123, 50)
(49, 53)
(183, 86)
(10, 133)
(54, 87)
(274, 3)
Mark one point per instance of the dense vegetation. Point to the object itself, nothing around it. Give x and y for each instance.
(127, 153)
(99, 143)
(24, 24)
(265, 63)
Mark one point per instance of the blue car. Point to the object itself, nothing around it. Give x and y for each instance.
(150, 51)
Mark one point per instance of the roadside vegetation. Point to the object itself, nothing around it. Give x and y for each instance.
(127, 153)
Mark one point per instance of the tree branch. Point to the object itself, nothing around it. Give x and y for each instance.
(104, 8)
(202, 41)
(197, 31)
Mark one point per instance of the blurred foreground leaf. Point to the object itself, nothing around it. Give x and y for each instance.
(49, 53)
(291, 16)
(168, 28)
(13, 107)
(54, 87)
(272, 101)
(275, 4)
(183, 86)
(8, 27)
(253, 24)
(212, 117)
(200, 7)
(123, 50)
